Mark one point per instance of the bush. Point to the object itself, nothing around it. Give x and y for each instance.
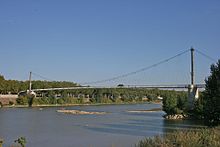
(169, 104)
(60, 101)
(175, 103)
(11, 103)
(22, 100)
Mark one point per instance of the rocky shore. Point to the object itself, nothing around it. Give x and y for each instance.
(175, 116)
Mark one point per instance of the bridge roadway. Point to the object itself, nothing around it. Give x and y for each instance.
(181, 86)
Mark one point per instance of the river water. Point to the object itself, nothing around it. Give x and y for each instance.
(118, 128)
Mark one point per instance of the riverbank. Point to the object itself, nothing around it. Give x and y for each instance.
(85, 104)
(145, 111)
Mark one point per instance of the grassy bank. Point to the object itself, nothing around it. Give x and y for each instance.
(209, 137)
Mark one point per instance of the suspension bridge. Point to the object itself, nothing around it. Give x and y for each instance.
(192, 87)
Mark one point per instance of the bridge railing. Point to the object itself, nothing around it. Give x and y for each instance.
(181, 86)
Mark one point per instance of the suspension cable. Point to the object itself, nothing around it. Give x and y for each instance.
(137, 71)
(42, 77)
(205, 55)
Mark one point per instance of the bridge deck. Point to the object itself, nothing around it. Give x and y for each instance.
(183, 86)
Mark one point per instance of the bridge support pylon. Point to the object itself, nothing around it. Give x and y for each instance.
(30, 94)
(193, 95)
(193, 92)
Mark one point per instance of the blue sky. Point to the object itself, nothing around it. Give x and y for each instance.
(89, 40)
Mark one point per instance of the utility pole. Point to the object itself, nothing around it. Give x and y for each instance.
(192, 67)
(30, 82)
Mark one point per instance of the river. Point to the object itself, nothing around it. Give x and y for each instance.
(118, 128)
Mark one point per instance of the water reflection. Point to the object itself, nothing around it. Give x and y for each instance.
(173, 125)
(149, 125)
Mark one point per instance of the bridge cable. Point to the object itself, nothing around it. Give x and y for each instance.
(205, 55)
(42, 77)
(137, 71)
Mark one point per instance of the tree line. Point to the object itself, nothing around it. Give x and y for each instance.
(15, 86)
(101, 95)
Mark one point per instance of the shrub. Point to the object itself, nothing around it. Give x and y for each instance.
(60, 101)
(170, 105)
(11, 103)
(175, 103)
(22, 100)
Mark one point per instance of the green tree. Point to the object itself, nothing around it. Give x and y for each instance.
(174, 102)
(182, 101)
(198, 111)
(170, 105)
(212, 96)
(2, 82)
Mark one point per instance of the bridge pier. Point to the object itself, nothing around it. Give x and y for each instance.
(193, 95)
(193, 92)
